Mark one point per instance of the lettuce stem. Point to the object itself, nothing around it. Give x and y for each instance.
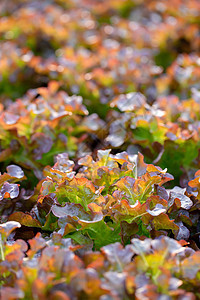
(1, 248)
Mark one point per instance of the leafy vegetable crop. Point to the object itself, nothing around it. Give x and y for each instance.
(99, 149)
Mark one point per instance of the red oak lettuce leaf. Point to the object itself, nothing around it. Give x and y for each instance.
(9, 190)
(25, 219)
(8, 227)
(190, 266)
(118, 256)
(36, 244)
